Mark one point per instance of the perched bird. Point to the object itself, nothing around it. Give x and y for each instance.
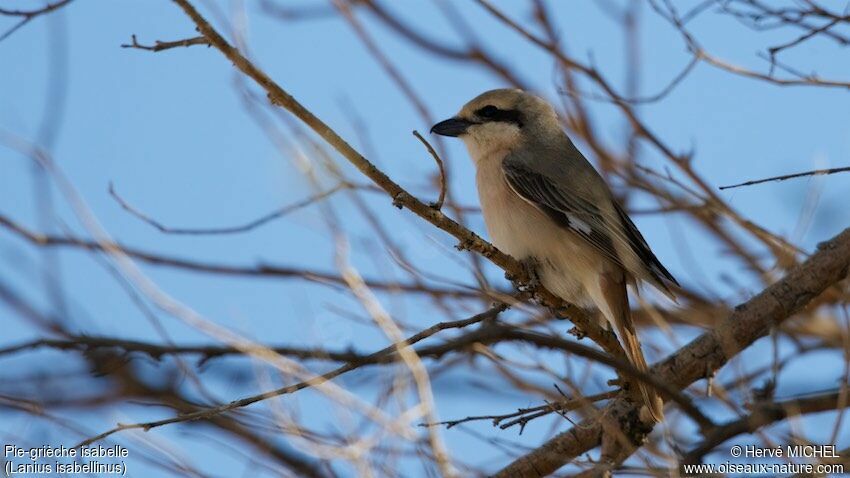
(545, 204)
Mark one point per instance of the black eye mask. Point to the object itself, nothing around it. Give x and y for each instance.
(491, 113)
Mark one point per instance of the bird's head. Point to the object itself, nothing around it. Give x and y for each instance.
(499, 119)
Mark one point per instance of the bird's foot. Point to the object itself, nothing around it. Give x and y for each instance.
(577, 333)
(531, 281)
(464, 245)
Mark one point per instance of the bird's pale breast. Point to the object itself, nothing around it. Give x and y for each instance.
(521, 230)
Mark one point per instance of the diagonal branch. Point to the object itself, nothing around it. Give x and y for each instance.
(27, 15)
(400, 197)
(699, 359)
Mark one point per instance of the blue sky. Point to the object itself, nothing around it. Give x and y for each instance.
(169, 130)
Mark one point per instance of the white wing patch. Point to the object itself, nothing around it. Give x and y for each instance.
(575, 223)
(579, 225)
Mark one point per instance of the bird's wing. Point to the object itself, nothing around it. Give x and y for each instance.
(644, 253)
(568, 210)
(597, 225)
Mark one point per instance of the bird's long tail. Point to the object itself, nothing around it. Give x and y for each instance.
(614, 303)
(654, 405)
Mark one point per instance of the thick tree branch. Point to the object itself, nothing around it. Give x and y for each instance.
(700, 358)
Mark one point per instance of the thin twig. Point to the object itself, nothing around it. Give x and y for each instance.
(698, 51)
(816, 172)
(28, 15)
(665, 389)
(259, 270)
(276, 214)
(524, 415)
(157, 351)
(165, 45)
(440, 165)
(375, 357)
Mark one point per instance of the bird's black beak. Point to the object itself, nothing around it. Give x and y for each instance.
(452, 127)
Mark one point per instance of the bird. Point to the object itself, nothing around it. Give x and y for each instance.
(545, 205)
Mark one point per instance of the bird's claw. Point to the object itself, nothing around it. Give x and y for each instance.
(577, 333)
(398, 200)
(532, 283)
(464, 245)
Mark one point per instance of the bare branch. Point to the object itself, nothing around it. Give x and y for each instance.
(248, 226)
(260, 270)
(442, 168)
(49, 7)
(522, 416)
(371, 432)
(28, 15)
(400, 197)
(703, 356)
(816, 172)
(669, 13)
(165, 45)
(372, 358)
(157, 351)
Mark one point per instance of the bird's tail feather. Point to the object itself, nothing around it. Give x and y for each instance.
(654, 405)
(614, 304)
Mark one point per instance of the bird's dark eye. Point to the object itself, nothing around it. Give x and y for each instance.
(488, 111)
(490, 114)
